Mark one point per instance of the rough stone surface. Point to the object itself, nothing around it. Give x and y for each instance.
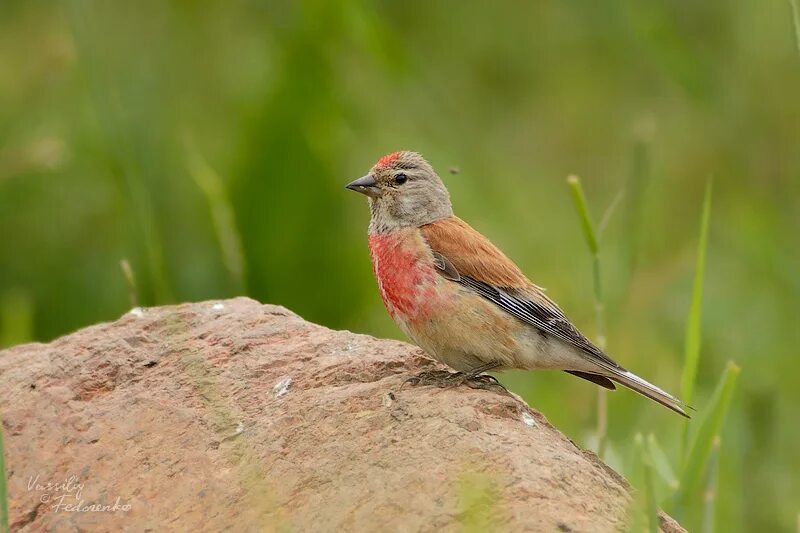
(241, 416)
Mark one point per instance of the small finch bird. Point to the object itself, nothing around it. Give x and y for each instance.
(458, 297)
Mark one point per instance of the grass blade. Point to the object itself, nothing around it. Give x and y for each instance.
(796, 22)
(691, 350)
(692, 343)
(222, 214)
(649, 487)
(661, 463)
(583, 211)
(130, 280)
(16, 318)
(612, 207)
(591, 240)
(703, 443)
(710, 496)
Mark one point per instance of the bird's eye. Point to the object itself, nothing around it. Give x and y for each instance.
(400, 179)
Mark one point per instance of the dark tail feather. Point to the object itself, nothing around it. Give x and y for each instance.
(594, 378)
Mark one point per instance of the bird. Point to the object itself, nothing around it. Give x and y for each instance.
(462, 300)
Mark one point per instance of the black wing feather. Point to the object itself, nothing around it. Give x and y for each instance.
(549, 319)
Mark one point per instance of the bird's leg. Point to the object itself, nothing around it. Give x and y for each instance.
(473, 379)
(475, 372)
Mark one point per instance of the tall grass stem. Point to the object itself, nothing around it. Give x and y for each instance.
(709, 428)
(710, 495)
(16, 317)
(222, 214)
(592, 242)
(694, 321)
(650, 496)
(601, 228)
(130, 281)
(661, 463)
(796, 23)
(579, 199)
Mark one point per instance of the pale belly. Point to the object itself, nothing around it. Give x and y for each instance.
(467, 333)
(472, 332)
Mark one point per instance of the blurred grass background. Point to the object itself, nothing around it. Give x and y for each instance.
(208, 144)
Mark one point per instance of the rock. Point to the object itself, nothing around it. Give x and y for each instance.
(237, 415)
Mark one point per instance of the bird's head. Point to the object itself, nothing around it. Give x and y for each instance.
(403, 191)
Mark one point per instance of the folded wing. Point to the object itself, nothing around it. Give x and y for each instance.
(467, 257)
(464, 256)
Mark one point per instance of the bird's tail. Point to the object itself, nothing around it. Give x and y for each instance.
(635, 383)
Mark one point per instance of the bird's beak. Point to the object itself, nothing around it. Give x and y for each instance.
(366, 185)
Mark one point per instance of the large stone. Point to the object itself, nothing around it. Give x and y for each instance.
(241, 416)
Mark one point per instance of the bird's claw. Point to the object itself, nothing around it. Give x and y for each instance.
(485, 382)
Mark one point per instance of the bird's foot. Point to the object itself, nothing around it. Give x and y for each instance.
(440, 378)
(443, 378)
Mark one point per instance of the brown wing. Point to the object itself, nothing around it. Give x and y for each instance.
(472, 254)
(464, 256)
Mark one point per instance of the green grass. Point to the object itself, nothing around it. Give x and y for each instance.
(696, 458)
(693, 323)
(696, 462)
(648, 493)
(16, 317)
(796, 23)
(222, 214)
(130, 281)
(699, 460)
(579, 199)
(712, 484)
(699, 457)
(662, 464)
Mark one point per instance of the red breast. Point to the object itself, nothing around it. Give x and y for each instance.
(406, 276)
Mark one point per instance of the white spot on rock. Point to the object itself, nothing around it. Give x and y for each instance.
(239, 428)
(281, 387)
(528, 420)
(388, 399)
(219, 306)
(138, 312)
